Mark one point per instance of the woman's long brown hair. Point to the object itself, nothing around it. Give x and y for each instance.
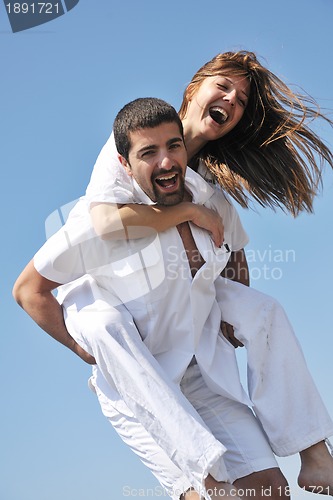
(272, 155)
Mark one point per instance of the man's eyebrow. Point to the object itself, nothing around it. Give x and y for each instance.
(232, 83)
(174, 140)
(146, 148)
(171, 141)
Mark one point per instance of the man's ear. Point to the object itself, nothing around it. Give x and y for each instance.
(125, 164)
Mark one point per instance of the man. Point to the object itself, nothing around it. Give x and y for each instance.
(155, 156)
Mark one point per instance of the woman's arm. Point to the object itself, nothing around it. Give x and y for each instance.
(237, 268)
(133, 221)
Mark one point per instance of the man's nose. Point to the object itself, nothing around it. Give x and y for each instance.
(231, 97)
(165, 162)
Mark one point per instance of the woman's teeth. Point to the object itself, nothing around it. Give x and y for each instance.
(218, 114)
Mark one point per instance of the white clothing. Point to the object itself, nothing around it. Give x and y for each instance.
(182, 339)
(137, 385)
(301, 420)
(109, 182)
(177, 315)
(230, 422)
(178, 434)
(143, 273)
(283, 393)
(70, 255)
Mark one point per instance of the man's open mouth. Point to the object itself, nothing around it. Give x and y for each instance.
(219, 115)
(167, 181)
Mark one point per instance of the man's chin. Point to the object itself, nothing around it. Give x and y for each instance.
(168, 200)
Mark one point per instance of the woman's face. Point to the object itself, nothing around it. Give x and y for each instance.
(217, 106)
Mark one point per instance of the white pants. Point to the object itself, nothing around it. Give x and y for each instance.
(283, 393)
(284, 396)
(232, 423)
(136, 384)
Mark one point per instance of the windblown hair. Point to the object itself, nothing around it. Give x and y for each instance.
(145, 112)
(271, 155)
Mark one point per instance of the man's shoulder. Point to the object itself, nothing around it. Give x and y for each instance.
(200, 189)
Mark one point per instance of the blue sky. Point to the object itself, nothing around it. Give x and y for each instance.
(61, 85)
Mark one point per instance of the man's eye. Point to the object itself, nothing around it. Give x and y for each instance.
(175, 146)
(147, 153)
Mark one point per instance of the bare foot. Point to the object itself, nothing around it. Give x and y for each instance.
(316, 473)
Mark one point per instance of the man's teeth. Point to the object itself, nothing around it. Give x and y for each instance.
(166, 180)
(219, 115)
(166, 177)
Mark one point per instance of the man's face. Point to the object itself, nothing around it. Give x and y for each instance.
(157, 161)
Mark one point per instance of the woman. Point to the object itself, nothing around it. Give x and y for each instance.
(221, 132)
(245, 130)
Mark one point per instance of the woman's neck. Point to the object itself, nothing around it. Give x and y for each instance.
(193, 142)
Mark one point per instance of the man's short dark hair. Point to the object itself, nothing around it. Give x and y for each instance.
(145, 112)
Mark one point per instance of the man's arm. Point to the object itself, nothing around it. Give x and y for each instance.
(33, 293)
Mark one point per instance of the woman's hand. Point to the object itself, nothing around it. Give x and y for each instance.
(211, 221)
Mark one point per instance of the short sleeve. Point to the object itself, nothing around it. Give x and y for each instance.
(109, 182)
(69, 253)
(56, 260)
(235, 234)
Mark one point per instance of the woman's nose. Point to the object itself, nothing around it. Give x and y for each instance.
(231, 97)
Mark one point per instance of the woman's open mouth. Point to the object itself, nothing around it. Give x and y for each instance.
(219, 115)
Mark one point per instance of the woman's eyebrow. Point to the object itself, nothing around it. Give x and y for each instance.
(230, 81)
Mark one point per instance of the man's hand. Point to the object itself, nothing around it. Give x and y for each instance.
(229, 334)
(84, 355)
(211, 221)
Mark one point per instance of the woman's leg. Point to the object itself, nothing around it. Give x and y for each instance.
(249, 449)
(135, 377)
(284, 396)
(249, 460)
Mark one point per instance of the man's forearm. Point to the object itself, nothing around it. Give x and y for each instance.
(45, 310)
(34, 294)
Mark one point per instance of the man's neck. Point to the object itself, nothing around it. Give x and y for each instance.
(187, 196)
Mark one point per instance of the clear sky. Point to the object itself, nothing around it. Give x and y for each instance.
(61, 84)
